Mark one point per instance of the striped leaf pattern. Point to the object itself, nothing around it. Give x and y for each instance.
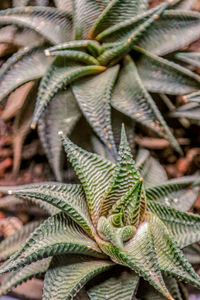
(26, 65)
(71, 273)
(138, 231)
(28, 272)
(64, 106)
(66, 197)
(51, 23)
(126, 284)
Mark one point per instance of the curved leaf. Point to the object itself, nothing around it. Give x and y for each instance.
(27, 64)
(118, 287)
(93, 95)
(69, 198)
(121, 32)
(86, 13)
(59, 75)
(68, 274)
(162, 76)
(56, 236)
(192, 58)
(131, 98)
(26, 273)
(111, 16)
(94, 173)
(12, 243)
(170, 257)
(172, 31)
(177, 193)
(115, 53)
(184, 227)
(194, 97)
(64, 106)
(124, 178)
(134, 255)
(190, 111)
(66, 5)
(74, 55)
(51, 23)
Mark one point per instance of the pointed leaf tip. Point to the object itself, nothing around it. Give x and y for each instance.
(33, 126)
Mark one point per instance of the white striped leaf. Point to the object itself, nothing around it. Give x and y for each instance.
(64, 106)
(170, 258)
(179, 193)
(94, 173)
(183, 227)
(69, 198)
(93, 95)
(57, 235)
(124, 177)
(111, 16)
(118, 287)
(68, 274)
(172, 31)
(12, 243)
(59, 75)
(51, 23)
(162, 76)
(18, 277)
(27, 64)
(131, 98)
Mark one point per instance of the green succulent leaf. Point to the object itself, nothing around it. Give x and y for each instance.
(81, 45)
(189, 110)
(27, 64)
(121, 32)
(12, 243)
(178, 193)
(140, 256)
(18, 277)
(94, 173)
(93, 95)
(110, 16)
(131, 98)
(57, 235)
(86, 13)
(184, 227)
(59, 75)
(75, 55)
(194, 97)
(118, 287)
(114, 54)
(162, 76)
(64, 106)
(51, 23)
(68, 274)
(174, 262)
(66, 5)
(69, 198)
(134, 202)
(125, 168)
(192, 58)
(150, 169)
(172, 31)
(172, 285)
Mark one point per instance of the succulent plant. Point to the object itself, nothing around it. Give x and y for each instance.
(110, 223)
(106, 53)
